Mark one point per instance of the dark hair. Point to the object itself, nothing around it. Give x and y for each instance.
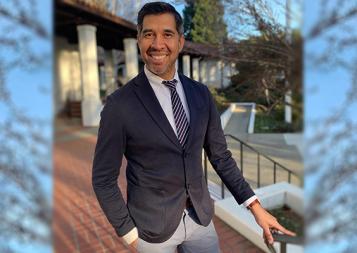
(156, 8)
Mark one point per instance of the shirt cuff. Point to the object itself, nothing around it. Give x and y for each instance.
(250, 200)
(131, 236)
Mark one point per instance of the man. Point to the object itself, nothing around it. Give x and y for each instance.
(160, 121)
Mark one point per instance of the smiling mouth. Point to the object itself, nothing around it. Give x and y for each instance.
(158, 57)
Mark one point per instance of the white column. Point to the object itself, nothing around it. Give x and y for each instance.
(203, 72)
(288, 110)
(186, 65)
(196, 69)
(131, 58)
(234, 70)
(67, 74)
(288, 99)
(218, 74)
(226, 74)
(91, 104)
(109, 71)
(221, 73)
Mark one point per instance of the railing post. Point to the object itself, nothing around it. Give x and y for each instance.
(282, 247)
(241, 157)
(276, 164)
(284, 240)
(205, 166)
(222, 189)
(289, 177)
(258, 157)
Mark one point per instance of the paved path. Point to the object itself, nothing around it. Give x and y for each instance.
(79, 226)
(239, 121)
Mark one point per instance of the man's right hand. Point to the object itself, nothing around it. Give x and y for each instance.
(134, 244)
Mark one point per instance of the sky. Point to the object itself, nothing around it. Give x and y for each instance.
(31, 90)
(324, 91)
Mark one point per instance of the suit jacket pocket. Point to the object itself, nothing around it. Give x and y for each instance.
(147, 209)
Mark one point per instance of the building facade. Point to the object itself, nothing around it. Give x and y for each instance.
(96, 53)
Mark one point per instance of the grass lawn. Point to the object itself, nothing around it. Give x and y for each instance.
(273, 123)
(289, 219)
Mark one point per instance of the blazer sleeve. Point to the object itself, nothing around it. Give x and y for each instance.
(221, 158)
(106, 166)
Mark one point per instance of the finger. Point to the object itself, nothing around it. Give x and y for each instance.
(267, 235)
(265, 240)
(274, 230)
(283, 230)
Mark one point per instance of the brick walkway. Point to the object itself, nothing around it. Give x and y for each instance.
(79, 226)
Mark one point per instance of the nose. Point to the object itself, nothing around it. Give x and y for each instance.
(158, 42)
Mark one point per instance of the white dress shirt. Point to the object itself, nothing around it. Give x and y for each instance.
(163, 94)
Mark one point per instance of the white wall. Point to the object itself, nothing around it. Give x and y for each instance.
(211, 73)
(67, 74)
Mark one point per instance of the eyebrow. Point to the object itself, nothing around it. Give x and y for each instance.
(146, 30)
(151, 30)
(169, 31)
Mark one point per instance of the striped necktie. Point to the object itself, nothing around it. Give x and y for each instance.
(180, 117)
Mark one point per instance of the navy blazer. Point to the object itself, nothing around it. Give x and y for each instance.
(160, 173)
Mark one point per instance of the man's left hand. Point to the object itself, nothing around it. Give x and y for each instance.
(268, 222)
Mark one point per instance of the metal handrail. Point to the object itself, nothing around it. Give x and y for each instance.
(259, 155)
(286, 239)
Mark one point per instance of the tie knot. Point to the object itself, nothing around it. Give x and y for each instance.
(171, 84)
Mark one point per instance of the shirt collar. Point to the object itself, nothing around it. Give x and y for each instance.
(156, 80)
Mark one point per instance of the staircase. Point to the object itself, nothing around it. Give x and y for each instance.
(74, 109)
(262, 162)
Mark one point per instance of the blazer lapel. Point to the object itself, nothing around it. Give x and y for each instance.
(148, 98)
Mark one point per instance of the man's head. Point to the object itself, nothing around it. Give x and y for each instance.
(157, 8)
(160, 37)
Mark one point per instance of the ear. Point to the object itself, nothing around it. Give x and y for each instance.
(138, 33)
(181, 42)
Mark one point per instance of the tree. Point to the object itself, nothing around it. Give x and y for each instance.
(331, 139)
(260, 65)
(25, 158)
(188, 13)
(264, 55)
(204, 22)
(127, 9)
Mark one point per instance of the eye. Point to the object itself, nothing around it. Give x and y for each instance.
(148, 35)
(168, 35)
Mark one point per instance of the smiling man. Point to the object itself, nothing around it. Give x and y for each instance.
(161, 120)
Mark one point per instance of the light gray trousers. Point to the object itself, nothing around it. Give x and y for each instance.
(189, 237)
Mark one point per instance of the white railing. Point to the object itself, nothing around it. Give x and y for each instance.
(227, 114)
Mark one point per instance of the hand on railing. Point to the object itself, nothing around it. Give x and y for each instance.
(267, 222)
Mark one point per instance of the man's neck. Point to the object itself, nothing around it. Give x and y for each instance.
(164, 78)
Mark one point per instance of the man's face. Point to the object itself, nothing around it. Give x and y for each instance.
(160, 44)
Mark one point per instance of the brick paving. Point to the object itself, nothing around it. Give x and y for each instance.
(79, 226)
